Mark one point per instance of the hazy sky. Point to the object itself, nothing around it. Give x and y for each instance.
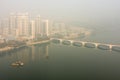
(93, 12)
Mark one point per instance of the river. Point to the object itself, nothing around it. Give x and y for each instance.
(60, 62)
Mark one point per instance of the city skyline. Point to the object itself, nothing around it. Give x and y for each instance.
(21, 25)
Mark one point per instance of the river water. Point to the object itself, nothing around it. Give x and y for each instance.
(60, 62)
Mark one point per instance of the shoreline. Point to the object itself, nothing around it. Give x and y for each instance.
(7, 49)
(39, 42)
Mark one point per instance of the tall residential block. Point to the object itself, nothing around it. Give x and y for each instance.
(5, 26)
(12, 24)
(33, 29)
(45, 30)
(0, 28)
(38, 25)
(23, 24)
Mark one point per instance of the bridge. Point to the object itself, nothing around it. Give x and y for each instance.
(85, 42)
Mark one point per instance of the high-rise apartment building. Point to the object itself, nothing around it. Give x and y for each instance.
(59, 27)
(12, 24)
(5, 26)
(50, 29)
(44, 28)
(0, 28)
(20, 26)
(33, 29)
(23, 24)
(38, 25)
(6, 31)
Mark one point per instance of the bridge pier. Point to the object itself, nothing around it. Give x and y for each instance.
(60, 40)
(71, 41)
(110, 46)
(96, 45)
(83, 43)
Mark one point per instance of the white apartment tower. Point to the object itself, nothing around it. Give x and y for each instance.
(33, 29)
(38, 25)
(5, 26)
(0, 28)
(23, 24)
(12, 24)
(45, 30)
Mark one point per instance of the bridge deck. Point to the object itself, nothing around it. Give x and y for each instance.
(96, 43)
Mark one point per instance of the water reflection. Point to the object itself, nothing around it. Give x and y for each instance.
(39, 52)
(10, 53)
(64, 63)
(31, 53)
(36, 53)
(47, 55)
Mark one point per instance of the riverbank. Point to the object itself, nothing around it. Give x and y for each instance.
(38, 42)
(7, 49)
